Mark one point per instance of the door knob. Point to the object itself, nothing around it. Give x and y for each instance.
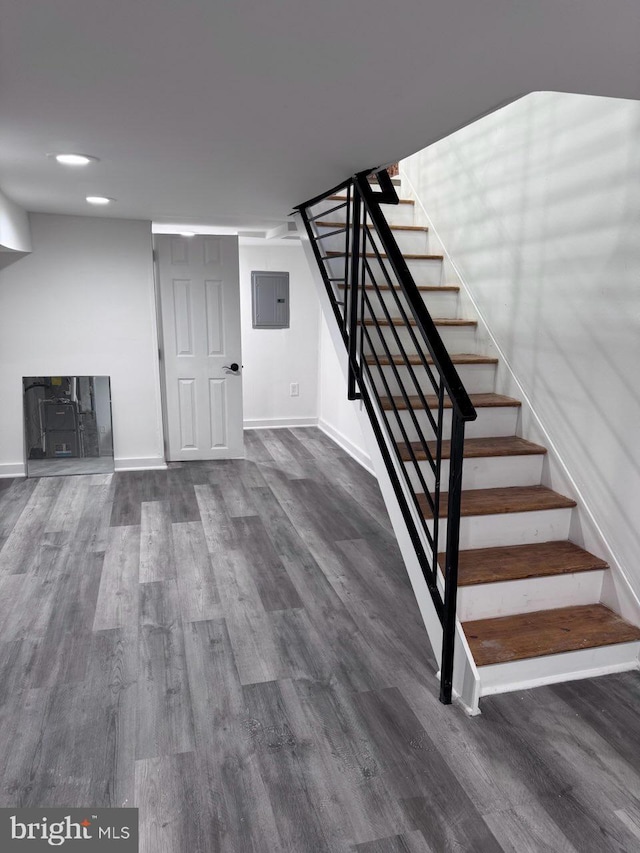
(231, 368)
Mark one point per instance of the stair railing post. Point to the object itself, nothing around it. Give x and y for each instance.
(451, 559)
(352, 290)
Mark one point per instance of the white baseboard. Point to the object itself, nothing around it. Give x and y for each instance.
(347, 445)
(11, 469)
(279, 423)
(143, 463)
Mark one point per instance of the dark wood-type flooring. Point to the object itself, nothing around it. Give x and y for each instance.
(234, 648)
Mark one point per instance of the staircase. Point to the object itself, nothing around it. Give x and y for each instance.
(526, 600)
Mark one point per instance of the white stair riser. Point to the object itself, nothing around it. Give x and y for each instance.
(424, 272)
(490, 422)
(552, 669)
(334, 243)
(442, 304)
(489, 472)
(399, 214)
(476, 378)
(455, 338)
(510, 528)
(336, 269)
(395, 214)
(507, 598)
(396, 180)
(326, 207)
(412, 241)
(408, 241)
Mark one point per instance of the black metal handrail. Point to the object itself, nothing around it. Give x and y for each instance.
(387, 378)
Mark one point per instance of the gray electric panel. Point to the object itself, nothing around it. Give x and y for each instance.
(270, 300)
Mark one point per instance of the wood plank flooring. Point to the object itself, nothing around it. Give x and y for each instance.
(456, 358)
(400, 321)
(479, 401)
(515, 562)
(475, 448)
(234, 648)
(501, 500)
(341, 226)
(426, 288)
(546, 632)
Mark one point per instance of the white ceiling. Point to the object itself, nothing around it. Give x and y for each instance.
(229, 112)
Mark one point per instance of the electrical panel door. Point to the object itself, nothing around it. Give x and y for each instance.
(270, 300)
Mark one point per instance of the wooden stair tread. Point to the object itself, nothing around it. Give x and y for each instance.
(475, 448)
(478, 401)
(456, 358)
(344, 198)
(546, 632)
(425, 288)
(393, 227)
(517, 562)
(408, 256)
(439, 321)
(500, 501)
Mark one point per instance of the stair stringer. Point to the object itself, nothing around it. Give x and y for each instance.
(466, 680)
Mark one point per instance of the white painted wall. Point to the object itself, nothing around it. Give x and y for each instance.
(539, 207)
(304, 353)
(338, 415)
(83, 304)
(274, 358)
(15, 235)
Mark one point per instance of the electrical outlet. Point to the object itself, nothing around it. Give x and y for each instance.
(294, 389)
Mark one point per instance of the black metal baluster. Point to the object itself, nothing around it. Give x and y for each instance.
(406, 363)
(451, 560)
(362, 290)
(436, 491)
(401, 427)
(352, 392)
(400, 423)
(403, 314)
(347, 252)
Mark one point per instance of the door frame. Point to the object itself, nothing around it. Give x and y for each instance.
(161, 341)
(160, 353)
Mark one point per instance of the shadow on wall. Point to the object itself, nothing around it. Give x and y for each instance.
(538, 205)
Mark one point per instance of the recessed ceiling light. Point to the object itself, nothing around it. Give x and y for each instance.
(99, 199)
(74, 159)
(187, 233)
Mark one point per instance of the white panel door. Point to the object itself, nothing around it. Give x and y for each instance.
(200, 310)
